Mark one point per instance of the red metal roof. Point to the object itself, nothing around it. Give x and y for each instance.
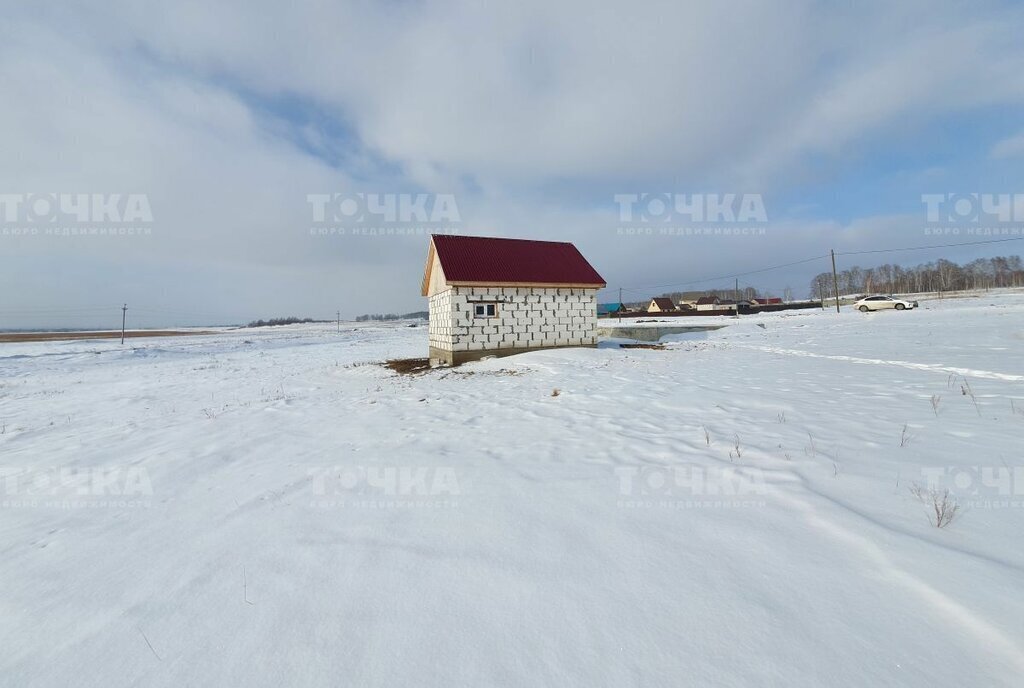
(664, 303)
(501, 261)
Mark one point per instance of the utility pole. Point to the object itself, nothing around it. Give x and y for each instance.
(618, 308)
(736, 291)
(124, 311)
(835, 279)
(339, 322)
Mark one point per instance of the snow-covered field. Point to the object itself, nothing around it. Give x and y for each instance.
(271, 508)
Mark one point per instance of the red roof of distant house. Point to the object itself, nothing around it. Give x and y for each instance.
(769, 300)
(705, 300)
(488, 260)
(664, 304)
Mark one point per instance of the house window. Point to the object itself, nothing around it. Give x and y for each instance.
(485, 310)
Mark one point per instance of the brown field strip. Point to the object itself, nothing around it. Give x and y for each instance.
(10, 337)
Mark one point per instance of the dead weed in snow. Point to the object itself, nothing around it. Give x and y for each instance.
(469, 373)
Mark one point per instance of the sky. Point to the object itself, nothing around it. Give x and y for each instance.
(221, 162)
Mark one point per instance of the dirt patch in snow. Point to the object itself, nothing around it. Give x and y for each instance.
(656, 347)
(419, 366)
(408, 366)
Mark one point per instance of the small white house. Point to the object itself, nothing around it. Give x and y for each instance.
(661, 305)
(728, 305)
(493, 296)
(707, 303)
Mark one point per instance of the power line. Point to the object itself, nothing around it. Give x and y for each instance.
(45, 311)
(179, 313)
(925, 248)
(821, 257)
(729, 276)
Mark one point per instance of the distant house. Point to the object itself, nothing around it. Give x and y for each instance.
(706, 303)
(661, 305)
(771, 301)
(493, 296)
(611, 308)
(747, 306)
(726, 305)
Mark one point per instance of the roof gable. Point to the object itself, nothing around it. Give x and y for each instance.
(492, 261)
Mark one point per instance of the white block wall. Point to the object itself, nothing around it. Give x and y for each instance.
(440, 309)
(527, 317)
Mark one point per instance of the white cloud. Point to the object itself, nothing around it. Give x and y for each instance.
(1012, 147)
(539, 90)
(527, 111)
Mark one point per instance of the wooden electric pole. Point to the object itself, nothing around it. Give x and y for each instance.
(124, 311)
(835, 279)
(339, 322)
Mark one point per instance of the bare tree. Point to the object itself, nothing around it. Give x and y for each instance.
(942, 275)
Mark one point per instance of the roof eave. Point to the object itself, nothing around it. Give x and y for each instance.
(548, 285)
(425, 287)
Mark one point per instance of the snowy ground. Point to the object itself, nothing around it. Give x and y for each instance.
(270, 508)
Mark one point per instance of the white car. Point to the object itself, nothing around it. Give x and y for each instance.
(878, 303)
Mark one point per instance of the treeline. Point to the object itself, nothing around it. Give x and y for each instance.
(421, 315)
(941, 275)
(282, 321)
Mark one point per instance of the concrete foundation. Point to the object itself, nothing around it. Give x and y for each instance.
(454, 358)
(651, 334)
